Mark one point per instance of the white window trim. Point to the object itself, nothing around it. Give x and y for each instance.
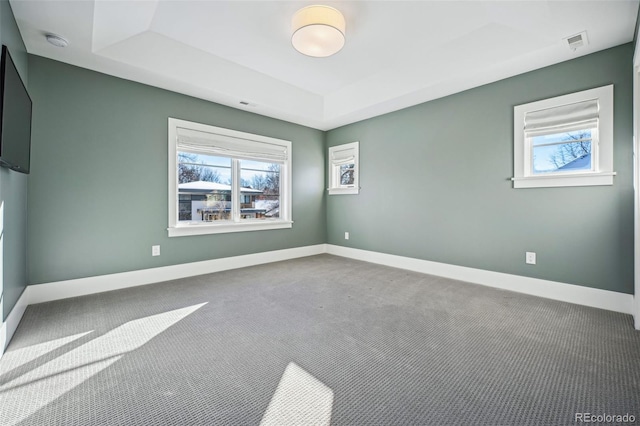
(334, 185)
(177, 229)
(602, 153)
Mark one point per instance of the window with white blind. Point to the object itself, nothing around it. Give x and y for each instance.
(343, 169)
(223, 180)
(565, 141)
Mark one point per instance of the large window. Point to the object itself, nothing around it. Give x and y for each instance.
(565, 141)
(222, 180)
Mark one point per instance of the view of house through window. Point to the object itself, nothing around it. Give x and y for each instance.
(260, 188)
(223, 180)
(205, 188)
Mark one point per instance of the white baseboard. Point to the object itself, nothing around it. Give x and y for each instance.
(597, 298)
(603, 299)
(13, 319)
(39, 293)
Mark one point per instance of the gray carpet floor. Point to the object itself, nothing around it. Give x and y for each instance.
(394, 347)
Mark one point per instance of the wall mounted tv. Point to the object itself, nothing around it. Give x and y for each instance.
(15, 114)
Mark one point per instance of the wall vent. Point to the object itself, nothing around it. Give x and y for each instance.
(576, 41)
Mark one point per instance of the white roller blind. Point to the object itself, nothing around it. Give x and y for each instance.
(565, 118)
(199, 142)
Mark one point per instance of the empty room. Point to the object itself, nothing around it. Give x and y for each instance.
(337, 213)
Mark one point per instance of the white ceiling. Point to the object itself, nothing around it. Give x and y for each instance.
(397, 53)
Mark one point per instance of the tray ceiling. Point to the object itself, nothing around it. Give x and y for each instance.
(397, 53)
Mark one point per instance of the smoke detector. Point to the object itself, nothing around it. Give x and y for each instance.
(56, 40)
(576, 41)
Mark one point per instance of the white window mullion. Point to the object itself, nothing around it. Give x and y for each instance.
(283, 177)
(528, 157)
(173, 177)
(595, 150)
(565, 142)
(235, 190)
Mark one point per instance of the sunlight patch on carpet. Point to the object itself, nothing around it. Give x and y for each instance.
(30, 392)
(19, 357)
(300, 399)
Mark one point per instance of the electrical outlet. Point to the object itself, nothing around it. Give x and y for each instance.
(530, 258)
(346, 235)
(155, 250)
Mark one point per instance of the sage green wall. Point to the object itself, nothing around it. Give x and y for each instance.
(98, 187)
(435, 184)
(434, 180)
(13, 189)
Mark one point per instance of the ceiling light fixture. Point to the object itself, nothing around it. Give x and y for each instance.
(318, 31)
(57, 40)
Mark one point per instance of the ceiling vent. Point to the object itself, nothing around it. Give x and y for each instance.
(576, 41)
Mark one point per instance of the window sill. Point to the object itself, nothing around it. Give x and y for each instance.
(338, 191)
(582, 179)
(223, 228)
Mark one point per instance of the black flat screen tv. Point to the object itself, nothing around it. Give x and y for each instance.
(15, 115)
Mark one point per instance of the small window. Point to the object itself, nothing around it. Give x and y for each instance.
(565, 141)
(222, 180)
(343, 169)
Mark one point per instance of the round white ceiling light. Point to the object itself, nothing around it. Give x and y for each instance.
(318, 31)
(57, 40)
